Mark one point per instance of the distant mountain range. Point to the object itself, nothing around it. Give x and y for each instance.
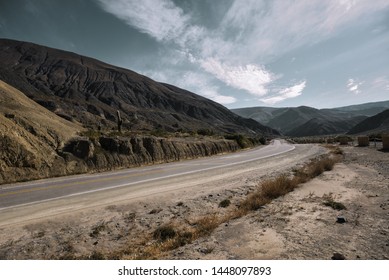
(307, 121)
(88, 91)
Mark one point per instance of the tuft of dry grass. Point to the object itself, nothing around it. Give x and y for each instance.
(206, 224)
(271, 189)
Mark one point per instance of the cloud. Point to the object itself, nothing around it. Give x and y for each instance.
(194, 81)
(249, 35)
(264, 28)
(252, 78)
(202, 85)
(353, 86)
(286, 93)
(160, 19)
(381, 83)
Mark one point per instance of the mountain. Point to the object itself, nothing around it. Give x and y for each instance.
(307, 121)
(375, 124)
(89, 91)
(316, 126)
(291, 118)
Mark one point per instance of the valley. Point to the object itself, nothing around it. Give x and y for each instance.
(100, 162)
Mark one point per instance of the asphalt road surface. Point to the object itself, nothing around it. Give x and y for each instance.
(138, 182)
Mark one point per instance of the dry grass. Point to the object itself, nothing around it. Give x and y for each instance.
(283, 184)
(334, 149)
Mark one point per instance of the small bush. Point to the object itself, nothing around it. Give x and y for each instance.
(328, 164)
(241, 140)
(224, 203)
(164, 233)
(334, 204)
(315, 168)
(96, 256)
(205, 132)
(159, 132)
(253, 202)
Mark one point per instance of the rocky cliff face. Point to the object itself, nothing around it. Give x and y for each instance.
(82, 155)
(107, 153)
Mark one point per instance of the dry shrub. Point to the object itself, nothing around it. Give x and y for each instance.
(205, 225)
(224, 203)
(253, 202)
(315, 168)
(280, 186)
(334, 149)
(269, 190)
(164, 233)
(328, 163)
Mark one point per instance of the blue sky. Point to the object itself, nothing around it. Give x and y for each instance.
(240, 53)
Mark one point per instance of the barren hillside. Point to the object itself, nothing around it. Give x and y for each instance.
(30, 135)
(90, 91)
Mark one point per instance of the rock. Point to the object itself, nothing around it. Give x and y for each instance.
(82, 148)
(341, 220)
(338, 256)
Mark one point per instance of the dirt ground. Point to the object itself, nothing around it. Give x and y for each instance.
(300, 226)
(296, 226)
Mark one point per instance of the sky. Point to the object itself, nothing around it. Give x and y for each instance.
(239, 53)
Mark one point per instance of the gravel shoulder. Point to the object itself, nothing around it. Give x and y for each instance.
(296, 226)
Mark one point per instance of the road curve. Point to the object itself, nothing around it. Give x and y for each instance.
(142, 181)
(50, 189)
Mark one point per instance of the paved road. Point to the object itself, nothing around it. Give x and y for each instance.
(28, 193)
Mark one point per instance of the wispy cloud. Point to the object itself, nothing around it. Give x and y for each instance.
(160, 19)
(198, 82)
(252, 78)
(276, 27)
(354, 86)
(286, 93)
(203, 86)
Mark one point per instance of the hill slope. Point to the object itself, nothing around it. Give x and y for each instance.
(30, 135)
(315, 127)
(375, 124)
(90, 91)
(36, 143)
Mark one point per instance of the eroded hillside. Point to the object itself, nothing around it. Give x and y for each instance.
(36, 143)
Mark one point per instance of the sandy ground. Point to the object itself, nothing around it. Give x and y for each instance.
(296, 226)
